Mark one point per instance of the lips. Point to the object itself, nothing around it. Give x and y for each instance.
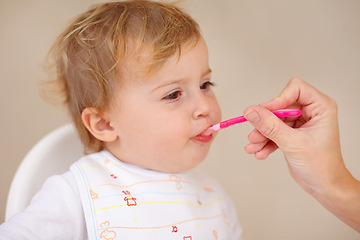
(203, 139)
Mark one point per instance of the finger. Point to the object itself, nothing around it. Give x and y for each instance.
(256, 137)
(252, 148)
(264, 153)
(269, 125)
(296, 93)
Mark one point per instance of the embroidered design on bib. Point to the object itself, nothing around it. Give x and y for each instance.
(106, 234)
(215, 234)
(131, 201)
(93, 194)
(177, 181)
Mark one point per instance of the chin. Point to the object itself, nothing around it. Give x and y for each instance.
(181, 169)
(193, 164)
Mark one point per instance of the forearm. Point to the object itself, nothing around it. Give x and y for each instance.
(342, 198)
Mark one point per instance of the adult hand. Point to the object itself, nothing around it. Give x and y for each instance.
(311, 146)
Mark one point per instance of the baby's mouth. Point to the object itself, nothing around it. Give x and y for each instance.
(203, 138)
(207, 131)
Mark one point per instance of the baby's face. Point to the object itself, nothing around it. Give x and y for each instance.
(159, 119)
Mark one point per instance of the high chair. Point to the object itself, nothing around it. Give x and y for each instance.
(52, 155)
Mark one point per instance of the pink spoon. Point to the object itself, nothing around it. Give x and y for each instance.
(241, 119)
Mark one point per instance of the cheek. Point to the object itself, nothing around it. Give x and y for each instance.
(172, 134)
(172, 131)
(166, 130)
(164, 144)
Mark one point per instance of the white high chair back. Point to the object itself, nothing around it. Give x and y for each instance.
(52, 155)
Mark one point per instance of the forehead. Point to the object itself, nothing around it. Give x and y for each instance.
(140, 62)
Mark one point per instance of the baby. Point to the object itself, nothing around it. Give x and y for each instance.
(136, 78)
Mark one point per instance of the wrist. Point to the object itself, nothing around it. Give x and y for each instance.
(342, 198)
(337, 183)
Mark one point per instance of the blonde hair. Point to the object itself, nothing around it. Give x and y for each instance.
(87, 55)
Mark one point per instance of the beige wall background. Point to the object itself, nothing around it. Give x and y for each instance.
(255, 48)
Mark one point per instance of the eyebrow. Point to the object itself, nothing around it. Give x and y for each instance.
(208, 71)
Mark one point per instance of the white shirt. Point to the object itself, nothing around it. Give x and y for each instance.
(50, 214)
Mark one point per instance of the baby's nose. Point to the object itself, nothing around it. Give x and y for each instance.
(202, 107)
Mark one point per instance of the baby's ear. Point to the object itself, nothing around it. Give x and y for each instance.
(97, 125)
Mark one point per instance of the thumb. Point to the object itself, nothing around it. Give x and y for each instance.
(268, 124)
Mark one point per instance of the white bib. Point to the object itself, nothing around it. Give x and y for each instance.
(123, 201)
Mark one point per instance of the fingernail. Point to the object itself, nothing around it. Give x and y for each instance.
(252, 116)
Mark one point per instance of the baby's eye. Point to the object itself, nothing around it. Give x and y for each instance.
(206, 85)
(173, 96)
